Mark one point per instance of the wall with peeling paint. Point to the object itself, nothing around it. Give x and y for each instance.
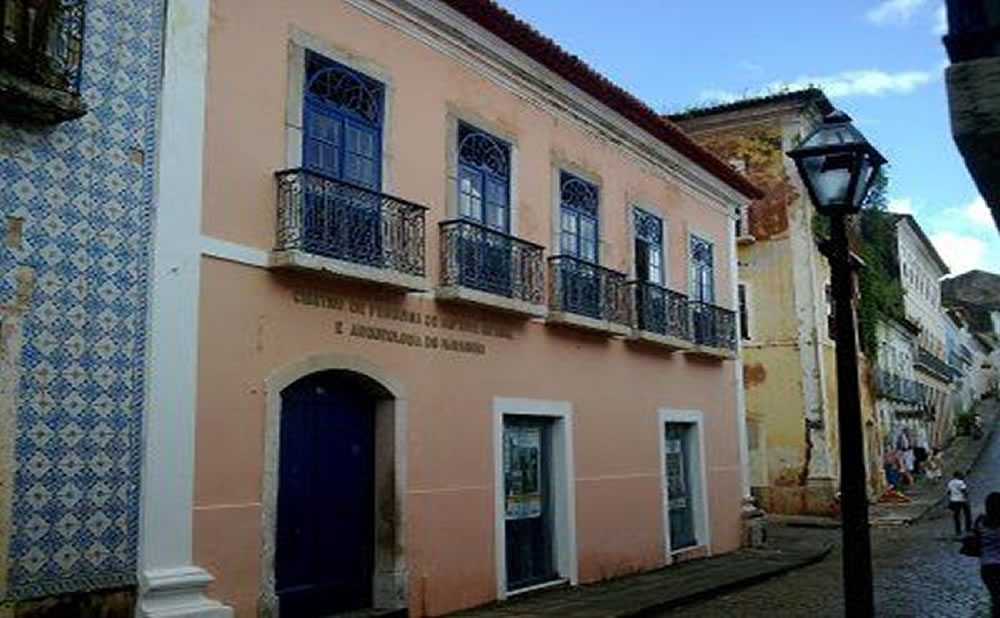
(789, 364)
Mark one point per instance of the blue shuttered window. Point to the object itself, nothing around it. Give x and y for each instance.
(484, 198)
(648, 246)
(579, 279)
(702, 271)
(343, 123)
(342, 139)
(483, 178)
(578, 200)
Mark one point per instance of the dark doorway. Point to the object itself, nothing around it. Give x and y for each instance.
(325, 539)
(680, 488)
(528, 501)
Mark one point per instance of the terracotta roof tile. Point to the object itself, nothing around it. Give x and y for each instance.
(545, 51)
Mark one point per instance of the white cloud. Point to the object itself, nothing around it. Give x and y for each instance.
(893, 12)
(901, 205)
(961, 253)
(718, 96)
(868, 82)
(940, 21)
(871, 82)
(978, 212)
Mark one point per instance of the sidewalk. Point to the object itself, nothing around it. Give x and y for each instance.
(961, 454)
(654, 591)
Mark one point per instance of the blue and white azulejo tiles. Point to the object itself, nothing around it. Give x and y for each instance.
(84, 192)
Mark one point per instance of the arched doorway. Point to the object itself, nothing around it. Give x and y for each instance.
(333, 486)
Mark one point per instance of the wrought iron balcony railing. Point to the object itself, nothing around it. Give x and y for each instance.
(893, 386)
(934, 365)
(42, 41)
(588, 290)
(477, 257)
(712, 326)
(324, 216)
(659, 310)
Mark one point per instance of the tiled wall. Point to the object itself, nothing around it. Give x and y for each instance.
(83, 190)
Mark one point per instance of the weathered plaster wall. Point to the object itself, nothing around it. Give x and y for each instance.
(75, 212)
(789, 365)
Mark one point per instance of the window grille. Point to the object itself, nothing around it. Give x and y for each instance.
(42, 41)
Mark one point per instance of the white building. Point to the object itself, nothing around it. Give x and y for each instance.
(920, 270)
(899, 401)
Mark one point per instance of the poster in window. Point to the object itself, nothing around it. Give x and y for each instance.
(522, 472)
(676, 483)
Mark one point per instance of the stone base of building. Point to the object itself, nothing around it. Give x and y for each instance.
(114, 603)
(809, 500)
(179, 593)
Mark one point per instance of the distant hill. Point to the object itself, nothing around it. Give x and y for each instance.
(976, 286)
(978, 292)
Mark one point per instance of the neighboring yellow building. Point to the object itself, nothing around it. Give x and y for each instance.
(785, 309)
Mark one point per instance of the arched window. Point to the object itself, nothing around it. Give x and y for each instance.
(342, 118)
(648, 246)
(578, 201)
(483, 178)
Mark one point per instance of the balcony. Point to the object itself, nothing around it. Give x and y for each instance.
(932, 365)
(660, 316)
(41, 48)
(587, 296)
(330, 226)
(485, 267)
(713, 331)
(895, 387)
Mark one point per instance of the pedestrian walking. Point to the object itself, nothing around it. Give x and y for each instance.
(958, 502)
(988, 530)
(921, 450)
(933, 469)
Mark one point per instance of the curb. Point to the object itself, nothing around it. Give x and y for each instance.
(728, 587)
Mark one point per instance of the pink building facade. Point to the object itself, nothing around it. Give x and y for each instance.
(439, 317)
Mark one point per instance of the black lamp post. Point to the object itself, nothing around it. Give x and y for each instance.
(838, 167)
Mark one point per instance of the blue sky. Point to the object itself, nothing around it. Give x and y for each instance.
(880, 60)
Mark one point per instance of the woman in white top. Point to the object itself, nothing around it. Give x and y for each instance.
(988, 529)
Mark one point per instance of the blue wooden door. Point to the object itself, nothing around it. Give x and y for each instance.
(325, 531)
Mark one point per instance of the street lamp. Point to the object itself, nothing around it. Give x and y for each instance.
(838, 167)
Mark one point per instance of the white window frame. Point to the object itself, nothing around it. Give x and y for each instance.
(702, 520)
(563, 484)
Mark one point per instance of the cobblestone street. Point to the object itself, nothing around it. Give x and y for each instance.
(918, 570)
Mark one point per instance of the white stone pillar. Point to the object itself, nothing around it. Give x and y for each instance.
(741, 409)
(170, 585)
